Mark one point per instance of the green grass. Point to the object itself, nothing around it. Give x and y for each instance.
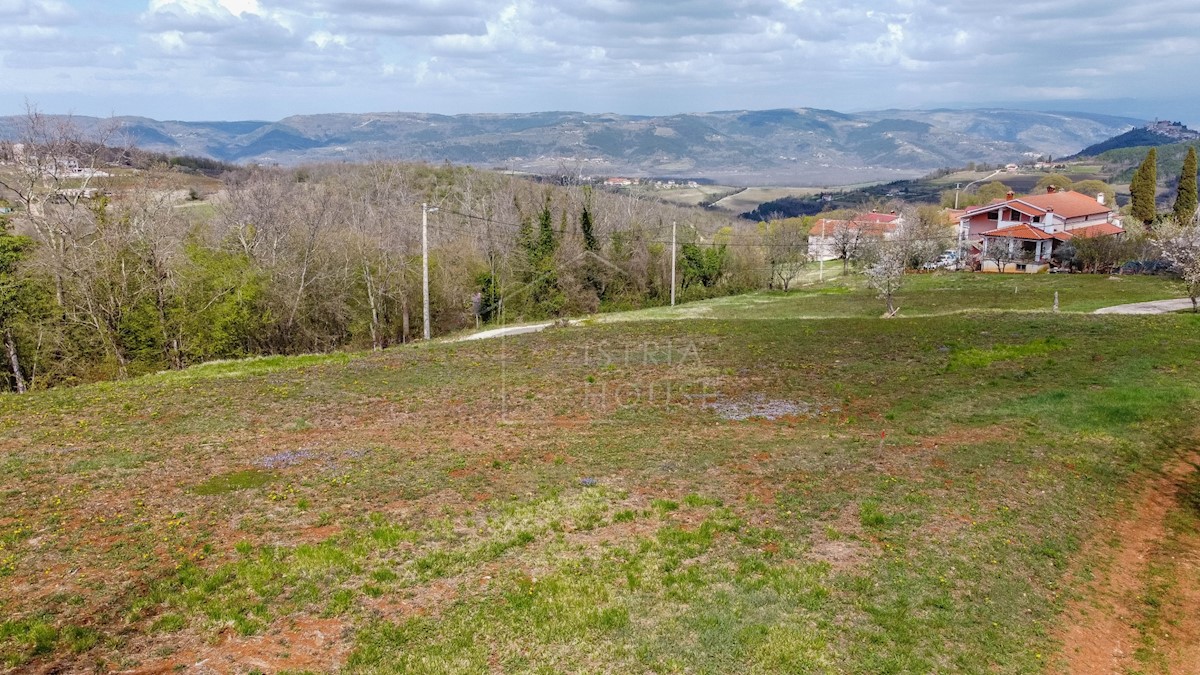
(924, 295)
(233, 481)
(549, 503)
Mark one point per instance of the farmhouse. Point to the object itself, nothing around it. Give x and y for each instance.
(1031, 227)
(826, 234)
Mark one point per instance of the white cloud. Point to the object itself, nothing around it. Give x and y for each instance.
(171, 41)
(323, 39)
(36, 11)
(210, 7)
(626, 55)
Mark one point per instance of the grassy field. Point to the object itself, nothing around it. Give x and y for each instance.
(686, 196)
(783, 495)
(750, 198)
(922, 295)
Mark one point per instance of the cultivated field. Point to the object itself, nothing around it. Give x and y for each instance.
(751, 198)
(948, 493)
(687, 196)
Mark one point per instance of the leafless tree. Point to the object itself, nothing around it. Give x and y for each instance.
(923, 234)
(786, 249)
(54, 169)
(849, 241)
(1003, 251)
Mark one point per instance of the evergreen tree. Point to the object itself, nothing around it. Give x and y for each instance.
(1185, 198)
(1143, 187)
(546, 243)
(586, 227)
(540, 241)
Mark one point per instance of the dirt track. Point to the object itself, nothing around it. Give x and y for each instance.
(1101, 632)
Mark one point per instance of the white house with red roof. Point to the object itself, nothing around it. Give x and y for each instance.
(1034, 225)
(825, 233)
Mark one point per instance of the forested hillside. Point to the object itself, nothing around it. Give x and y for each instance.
(115, 275)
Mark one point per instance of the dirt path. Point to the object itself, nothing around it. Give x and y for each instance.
(1152, 307)
(1101, 630)
(511, 330)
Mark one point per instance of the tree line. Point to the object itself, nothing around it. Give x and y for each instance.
(141, 276)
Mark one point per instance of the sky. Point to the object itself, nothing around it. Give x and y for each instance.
(268, 59)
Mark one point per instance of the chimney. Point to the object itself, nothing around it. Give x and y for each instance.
(1049, 221)
(1051, 189)
(1100, 198)
(1009, 195)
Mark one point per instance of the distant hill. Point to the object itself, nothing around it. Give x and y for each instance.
(802, 146)
(1120, 163)
(1152, 135)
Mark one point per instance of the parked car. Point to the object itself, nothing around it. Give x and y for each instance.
(1145, 267)
(946, 261)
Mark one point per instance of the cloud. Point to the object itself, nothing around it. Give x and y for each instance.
(38, 12)
(627, 55)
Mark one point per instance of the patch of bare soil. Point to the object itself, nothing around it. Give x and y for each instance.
(1183, 647)
(1100, 635)
(845, 551)
(295, 644)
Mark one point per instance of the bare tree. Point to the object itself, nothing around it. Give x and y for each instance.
(848, 241)
(54, 170)
(1003, 251)
(1102, 254)
(380, 207)
(105, 279)
(251, 214)
(156, 233)
(786, 248)
(923, 234)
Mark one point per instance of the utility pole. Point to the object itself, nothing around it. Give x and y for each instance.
(672, 263)
(425, 211)
(821, 252)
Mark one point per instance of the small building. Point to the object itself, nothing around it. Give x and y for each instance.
(823, 235)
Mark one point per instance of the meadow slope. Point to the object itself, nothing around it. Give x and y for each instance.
(780, 495)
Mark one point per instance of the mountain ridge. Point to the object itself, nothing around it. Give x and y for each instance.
(1155, 134)
(740, 147)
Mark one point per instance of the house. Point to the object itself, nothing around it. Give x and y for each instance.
(825, 233)
(1033, 226)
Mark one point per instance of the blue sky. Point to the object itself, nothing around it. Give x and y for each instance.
(266, 59)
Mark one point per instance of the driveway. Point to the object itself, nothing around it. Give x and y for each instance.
(1155, 307)
(505, 332)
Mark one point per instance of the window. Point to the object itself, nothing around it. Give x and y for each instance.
(994, 215)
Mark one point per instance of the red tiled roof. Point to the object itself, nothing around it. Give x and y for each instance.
(1067, 204)
(1098, 230)
(873, 223)
(875, 217)
(985, 208)
(824, 225)
(1022, 231)
(1064, 204)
